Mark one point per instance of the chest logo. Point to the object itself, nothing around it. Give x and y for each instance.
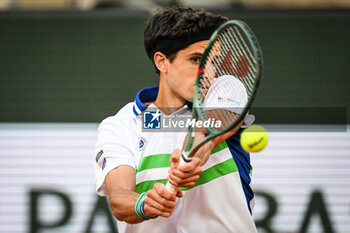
(142, 143)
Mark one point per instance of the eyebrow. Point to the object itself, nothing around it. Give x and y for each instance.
(196, 54)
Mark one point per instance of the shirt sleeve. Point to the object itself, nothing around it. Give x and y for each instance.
(114, 147)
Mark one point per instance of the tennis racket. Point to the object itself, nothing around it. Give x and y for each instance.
(228, 77)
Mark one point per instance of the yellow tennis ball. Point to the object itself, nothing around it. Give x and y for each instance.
(254, 138)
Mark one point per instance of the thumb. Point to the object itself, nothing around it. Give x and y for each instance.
(179, 194)
(175, 158)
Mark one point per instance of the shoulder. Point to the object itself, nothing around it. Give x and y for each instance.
(120, 128)
(124, 118)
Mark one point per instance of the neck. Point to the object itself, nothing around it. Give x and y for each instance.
(167, 100)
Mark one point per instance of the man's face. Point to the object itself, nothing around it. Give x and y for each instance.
(182, 71)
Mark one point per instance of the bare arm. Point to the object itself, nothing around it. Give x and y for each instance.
(121, 183)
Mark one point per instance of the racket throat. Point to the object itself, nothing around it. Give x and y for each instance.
(184, 158)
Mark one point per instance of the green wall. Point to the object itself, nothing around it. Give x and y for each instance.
(82, 67)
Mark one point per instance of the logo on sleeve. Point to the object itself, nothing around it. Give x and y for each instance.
(104, 164)
(98, 156)
(152, 119)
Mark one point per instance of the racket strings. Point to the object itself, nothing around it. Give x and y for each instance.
(230, 55)
(218, 114)
(213, 88)
(226, 60)
(251, 62)
(243, 64)
(224, 116)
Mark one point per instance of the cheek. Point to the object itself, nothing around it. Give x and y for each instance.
(189, 79)
(183, 76)
(189, 71)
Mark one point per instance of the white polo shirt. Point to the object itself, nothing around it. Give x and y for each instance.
(220, 200)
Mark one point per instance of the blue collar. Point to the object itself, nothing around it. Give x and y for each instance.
(147, 95)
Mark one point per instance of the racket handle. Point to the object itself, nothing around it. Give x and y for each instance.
(171, 188)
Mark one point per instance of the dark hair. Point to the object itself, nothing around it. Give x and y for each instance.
(174, 28)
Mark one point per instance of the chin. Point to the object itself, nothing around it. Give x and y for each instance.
(190, 99)
(189, 95)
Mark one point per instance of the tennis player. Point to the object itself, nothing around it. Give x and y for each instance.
(133, 165)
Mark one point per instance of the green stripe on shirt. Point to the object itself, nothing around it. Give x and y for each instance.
(162, 160)
(154, 161)
(210, 174)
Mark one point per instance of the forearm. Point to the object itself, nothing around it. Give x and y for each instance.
(122, 203)
(120, 184)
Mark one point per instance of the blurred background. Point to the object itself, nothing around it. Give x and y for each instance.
(65, 65)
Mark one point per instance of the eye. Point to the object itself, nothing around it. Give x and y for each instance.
(196, 59)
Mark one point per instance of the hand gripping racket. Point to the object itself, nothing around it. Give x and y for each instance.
(228, 78)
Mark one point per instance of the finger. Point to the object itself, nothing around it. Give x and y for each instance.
(154, 207)
(187, 181)
(179, 194)
(150, 206)
(154, 200)
(178, 181)
(175, 158)
(173, 182)
(185, 184)
(188, 185)
(151, 211)
(190, 166)
(161, 194)
(185, 174)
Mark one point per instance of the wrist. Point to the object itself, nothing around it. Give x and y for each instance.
(140, 207)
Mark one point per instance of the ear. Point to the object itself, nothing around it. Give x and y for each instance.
(161, 61)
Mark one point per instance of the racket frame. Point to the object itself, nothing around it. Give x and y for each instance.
(197, 107)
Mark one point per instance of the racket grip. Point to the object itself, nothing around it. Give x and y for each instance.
(171, 188)
(183, 159)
